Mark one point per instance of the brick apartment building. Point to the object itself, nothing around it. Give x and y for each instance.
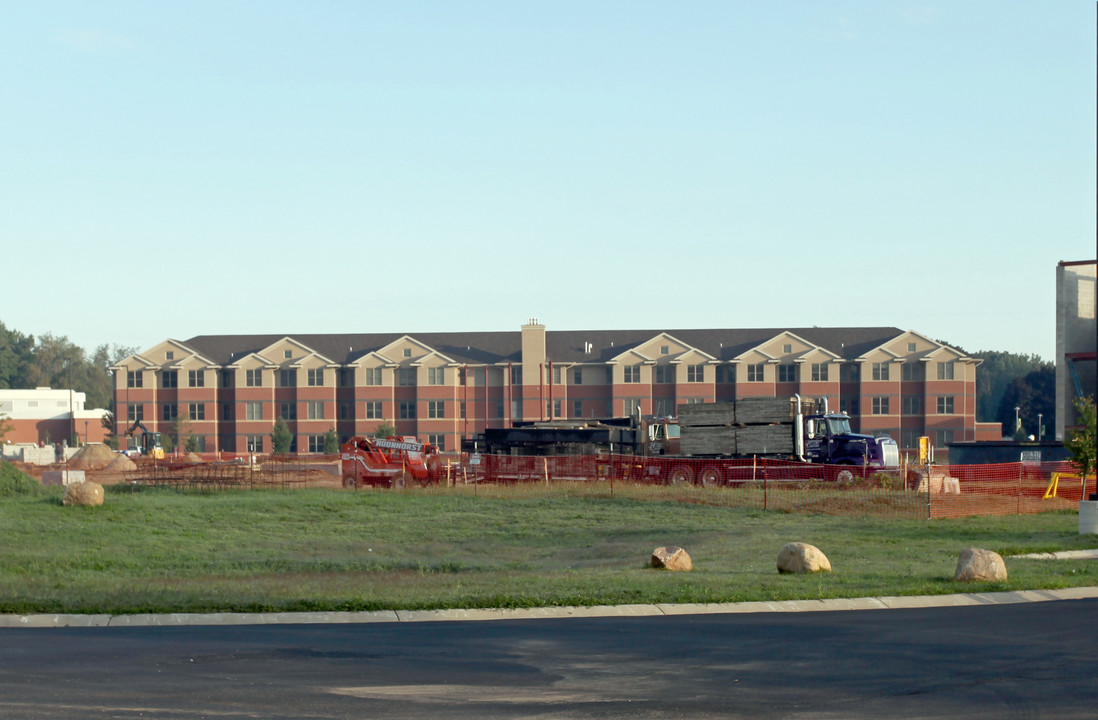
(448, 386)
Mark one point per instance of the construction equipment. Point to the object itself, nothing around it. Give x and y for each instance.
(149, 445)
(793, 429)
(388, 462)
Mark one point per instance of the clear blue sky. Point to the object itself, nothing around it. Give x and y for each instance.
(169, 169)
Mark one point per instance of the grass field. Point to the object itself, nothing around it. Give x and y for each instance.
(164, 550)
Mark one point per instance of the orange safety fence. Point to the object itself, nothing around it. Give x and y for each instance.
(940, 491)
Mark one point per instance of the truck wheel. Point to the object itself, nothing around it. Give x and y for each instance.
(844, 477)
(399, 481)
(681, 475)
(711, 476)
(349, 482)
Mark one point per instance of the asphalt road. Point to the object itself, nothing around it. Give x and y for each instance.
(1028, 660)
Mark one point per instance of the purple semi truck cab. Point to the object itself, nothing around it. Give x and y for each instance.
(828, 439)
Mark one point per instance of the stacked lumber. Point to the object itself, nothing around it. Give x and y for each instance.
(749, 426)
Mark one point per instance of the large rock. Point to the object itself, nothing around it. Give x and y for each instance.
(798, 557)
(671, 558)
(85, 493)
(977, 564)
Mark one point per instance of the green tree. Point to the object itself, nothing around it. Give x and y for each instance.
(331, 442)
(994, 377)
(5, 426)
(1033, 394)
(110, 437)
(1083, 441)
(192, 443)
(384, 430)
(280, 436)
(16, 357)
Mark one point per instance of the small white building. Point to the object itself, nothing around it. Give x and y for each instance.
(44, 416)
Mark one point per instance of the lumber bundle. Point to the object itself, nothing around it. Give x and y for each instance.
(708, 440)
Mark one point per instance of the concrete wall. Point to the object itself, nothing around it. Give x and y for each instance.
(1076, 337)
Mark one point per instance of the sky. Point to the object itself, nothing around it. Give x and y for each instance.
(196, 168)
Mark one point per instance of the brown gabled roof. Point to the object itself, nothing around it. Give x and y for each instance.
(476, 348)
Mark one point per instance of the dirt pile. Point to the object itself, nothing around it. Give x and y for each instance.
(92, 457)
(121, 463)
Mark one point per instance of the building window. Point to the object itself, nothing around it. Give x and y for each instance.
(499, 408)
(253, 411)
(945, 405)
(632, 407)
(850, 406)
(344, 411)
(557, 375)
(912, 405)
(787, 373)
(287, 354)
(373, 376)
(664, 374)
(911, 347)
(819, 372)
(316, 443)
(314, 377)
(880, 371)
(346, 377)
(170, 412)
(169, 379)
(911, 372)
(134, 379)
(254, 443)
(516, 374)
(461, 409)
(909, 439)
(287, 378)
(756, 372)
(577, 408)
(373, 410)
(253, 378)
(407, 410)
(197, 411)
(287, 410)
(406, 376)
(407, 352)
(196, 378)
(135, 413)
(942, 438)
(436, 409)
(437, 439)
(851, 373)
(787, 348)
(436, 376)
(577, 376)
(945, 371)
(169, 355)
(880, 406)
(516, 408)
(632, 373)
(664, 349)
(316, 409)
(695, 373)
(226, 412)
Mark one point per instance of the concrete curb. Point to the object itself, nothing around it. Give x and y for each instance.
(405, 616)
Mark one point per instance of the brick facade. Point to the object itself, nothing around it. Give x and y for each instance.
(449, 386)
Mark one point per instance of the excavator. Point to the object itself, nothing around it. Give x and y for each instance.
(149, 445)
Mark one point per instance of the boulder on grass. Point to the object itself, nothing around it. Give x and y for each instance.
(976, 564)
(798, 557)
(671, 558)
(85, 493)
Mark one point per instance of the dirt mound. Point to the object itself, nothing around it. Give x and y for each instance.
(121, 463)
(92, 457)
(192, 458)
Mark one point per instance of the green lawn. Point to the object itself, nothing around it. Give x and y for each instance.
(163, 550)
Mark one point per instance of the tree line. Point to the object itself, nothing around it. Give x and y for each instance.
(1004, 380)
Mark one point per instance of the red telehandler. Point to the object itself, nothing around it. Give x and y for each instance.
(388, 462)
